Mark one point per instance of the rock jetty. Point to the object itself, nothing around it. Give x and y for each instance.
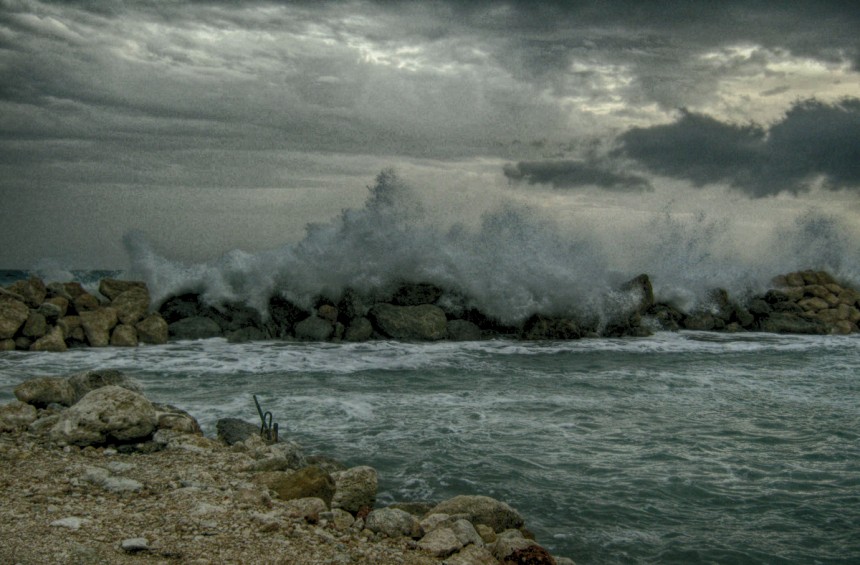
(57, 316)
(92, 471)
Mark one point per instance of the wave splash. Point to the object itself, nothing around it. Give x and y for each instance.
(515, 262)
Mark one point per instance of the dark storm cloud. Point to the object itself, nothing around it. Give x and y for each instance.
(814, 141)
(573, 174)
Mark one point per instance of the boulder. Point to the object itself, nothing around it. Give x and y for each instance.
(700, 321)
(53, 308)
(180, 307)
(813, 304)
(86, 302)
(393, 523)
(172, 418)
(463, 330)
(328, 312)
(232, 316)
(197, 327)
(107, 414)
(131, 305)
(124, 335)
(58, 290)
(531, 555)
(472, 555)
(283, 315)
(441, 542)
(152, 329)
(73, 289)
(355, 488)
(88, 381)
(412, 323)
(360, 329)
(42, 391)
(112, 288)
(481, 510)
(97, 325)
(308, 509)
(13, 314)
(545, 327)
(233, 430)
(32, 290)
(54, 340)
(16, 416)
(7, 344)
(310, 482)
(314, 329)
(352, 305)
(642, 286)
(508, 542)
(786, 322)
(35, 327)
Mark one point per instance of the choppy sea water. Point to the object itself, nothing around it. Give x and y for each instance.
(678, 448)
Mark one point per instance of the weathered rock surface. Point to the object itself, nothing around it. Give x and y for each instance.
(392, 522)
(360, 329)
(54, 340)
(152, 329)
(16, 416)
(314, 329)
(42, 391)
(197, 327)
(411, 323)
(234, 430)
(113, 288)
(131, 305)
(124, 335)
(310, 482)
(355, 488)
(481, 510)
(463, 330)
(109, 413)
(13, 314)
(98, 324)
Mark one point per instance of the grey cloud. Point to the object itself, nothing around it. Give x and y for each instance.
(573, 174)
(814, 141)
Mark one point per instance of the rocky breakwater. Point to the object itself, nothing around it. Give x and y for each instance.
(802, 302)
(92, 471)
(54, 317)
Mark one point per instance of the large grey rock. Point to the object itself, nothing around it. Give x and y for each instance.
(98, 324)
(481, 510)
(785, 322)
(112, 288)
(472, 555)
(16, 416)
(314, 329)
(360, 329)
(233, 430)
(87, 381)
(441, 542)
(308, 509)
(54, 340)
(414, 294)
(413, 323)
(355, 488)
(539, 327)
(13, 314)
(170, 417)
(152, 329)
(393, 523)
(508, 542)
(131, 305)
(463, 330)
(42, 391)
(107, 414)
(32, 290)
(35, 327)
(53, 308)
(124, 335)
(197, 327)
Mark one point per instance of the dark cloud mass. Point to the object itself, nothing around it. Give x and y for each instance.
(573, 174)
(813, 142)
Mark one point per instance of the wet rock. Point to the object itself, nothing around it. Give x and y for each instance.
(509, 541)
(314, 329)
(32, 290)
(411, 323)
(360, 329)
(540, 327)
(355, 488)
(152, 329)
(110, 413)
(283, 316)
(197, 327)
(701, 321)
(481, 510)
(641, 285)
(112, 288)
(244, 335)
(53, 309)
(131, 305)
(35, 327)
(532, 555)
(124, 335)
(86, 302)
(415, 294)
(7, 344)
(463, 330)
(98, 324)
(180, 307)
(13, 314)
(54, 341)
(785, 322)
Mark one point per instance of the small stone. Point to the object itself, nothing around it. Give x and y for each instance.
(135, 545)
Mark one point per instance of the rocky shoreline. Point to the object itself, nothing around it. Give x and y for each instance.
(57, 316)
(92, 471)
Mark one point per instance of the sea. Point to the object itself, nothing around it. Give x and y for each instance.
(687, 447)
(682, 447)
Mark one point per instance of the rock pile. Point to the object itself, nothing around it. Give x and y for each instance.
(39, 317)
(60, 315)
(272, 488)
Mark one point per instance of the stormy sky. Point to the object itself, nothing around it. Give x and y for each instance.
(211, 126)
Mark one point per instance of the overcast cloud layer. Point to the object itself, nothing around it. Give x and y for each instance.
(210, 126)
